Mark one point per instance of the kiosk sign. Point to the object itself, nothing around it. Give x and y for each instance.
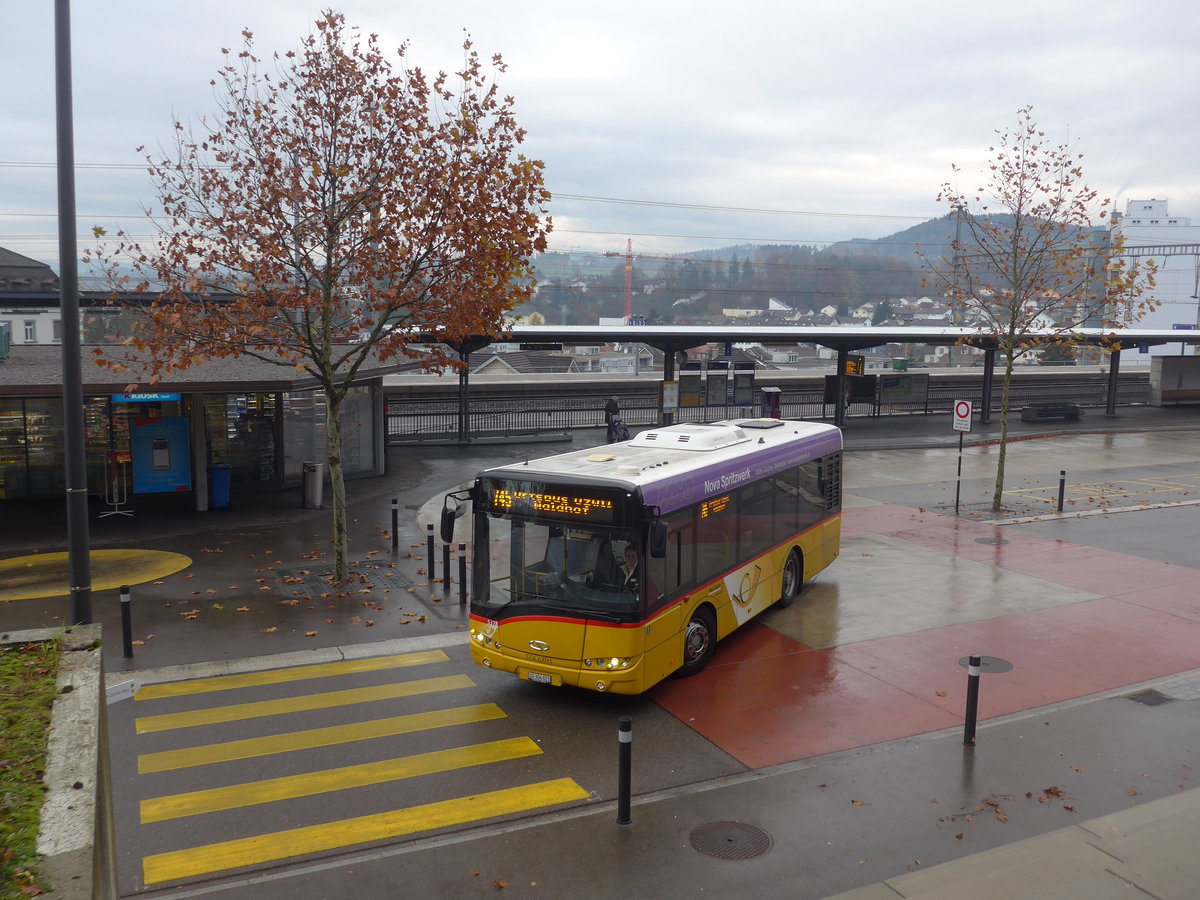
(962, 415)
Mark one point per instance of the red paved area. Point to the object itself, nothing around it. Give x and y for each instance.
(767, 699)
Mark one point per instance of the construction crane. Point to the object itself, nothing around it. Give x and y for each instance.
(628, 254)
(628, 278)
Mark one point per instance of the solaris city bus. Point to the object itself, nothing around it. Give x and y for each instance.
(720, 520)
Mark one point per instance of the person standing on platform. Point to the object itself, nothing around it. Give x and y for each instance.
(611, 410)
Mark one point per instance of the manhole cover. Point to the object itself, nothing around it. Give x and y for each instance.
(1151, 697)
(997, 542)
(730, 840)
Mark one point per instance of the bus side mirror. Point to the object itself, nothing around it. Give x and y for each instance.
(658, 539)
(451, 512)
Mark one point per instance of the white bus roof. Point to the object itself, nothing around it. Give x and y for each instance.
(677, 464)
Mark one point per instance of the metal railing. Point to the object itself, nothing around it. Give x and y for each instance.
(432, 415)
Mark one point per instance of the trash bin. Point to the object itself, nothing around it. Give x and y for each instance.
(771, 402)
(314, 484)
(219, 477)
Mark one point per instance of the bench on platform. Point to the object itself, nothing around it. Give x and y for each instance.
(1178, 395)
(1035, 412)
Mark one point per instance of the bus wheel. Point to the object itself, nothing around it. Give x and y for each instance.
(698, 641)
(793, 578)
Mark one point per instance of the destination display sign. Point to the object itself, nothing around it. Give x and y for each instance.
(565, 502)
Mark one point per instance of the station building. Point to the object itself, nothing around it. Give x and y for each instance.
(218, 429)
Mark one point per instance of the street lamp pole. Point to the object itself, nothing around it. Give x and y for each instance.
(78, 545)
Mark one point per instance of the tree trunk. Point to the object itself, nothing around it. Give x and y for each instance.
(998, 492)
(337, 484)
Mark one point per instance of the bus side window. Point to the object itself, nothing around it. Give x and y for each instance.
(675, 571)
(715, 546)
(756, 518)
(812, 498)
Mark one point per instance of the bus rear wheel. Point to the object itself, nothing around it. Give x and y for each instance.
(793, 578)
(698, 641)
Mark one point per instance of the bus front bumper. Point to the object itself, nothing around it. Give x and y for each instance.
(616, 676)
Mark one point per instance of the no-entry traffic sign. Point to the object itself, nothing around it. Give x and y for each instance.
(962, 415)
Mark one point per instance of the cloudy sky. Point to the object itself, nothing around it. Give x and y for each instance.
(678, 125)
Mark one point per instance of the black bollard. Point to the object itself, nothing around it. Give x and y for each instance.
(973, 664)
(429, 550)
(445, 568)
(1062, 487)
(462, 572)
(395, 524)
(624, 769)
(126, 622)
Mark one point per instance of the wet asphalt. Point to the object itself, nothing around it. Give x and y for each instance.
(845, 821)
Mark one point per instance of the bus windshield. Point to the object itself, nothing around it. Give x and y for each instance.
(534, 568)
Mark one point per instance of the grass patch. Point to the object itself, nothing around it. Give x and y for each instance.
(27, 677)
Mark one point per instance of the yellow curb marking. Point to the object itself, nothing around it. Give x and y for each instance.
(48, 574)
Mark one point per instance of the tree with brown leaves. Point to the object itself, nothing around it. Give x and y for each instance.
(336, 209)
(1030, 257)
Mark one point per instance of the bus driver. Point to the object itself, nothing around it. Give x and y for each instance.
(629, 569)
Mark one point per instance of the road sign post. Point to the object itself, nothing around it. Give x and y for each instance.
(962, 424)
(962, 415)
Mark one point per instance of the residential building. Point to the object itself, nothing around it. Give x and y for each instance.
(1149, 224)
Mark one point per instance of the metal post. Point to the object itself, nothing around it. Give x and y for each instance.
(1114, 383)
(973, 665)
(669, 351)
(74, 433)
(985, 400)
(445, 568)
(1062, 487)
(958, 482)
(126, 622)
(462, 572)
(395, 523)
(843, 388)
(624, 769)
(429, 550)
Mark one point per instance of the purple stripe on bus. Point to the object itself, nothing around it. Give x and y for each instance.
(699, 484)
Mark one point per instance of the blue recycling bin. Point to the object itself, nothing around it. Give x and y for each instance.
(219, 478)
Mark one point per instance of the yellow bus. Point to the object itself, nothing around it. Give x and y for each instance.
(614, 567)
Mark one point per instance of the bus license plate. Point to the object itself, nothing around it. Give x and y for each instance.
(539, 677)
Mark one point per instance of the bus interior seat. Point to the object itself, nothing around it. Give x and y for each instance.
(581, 556)
(606, 564)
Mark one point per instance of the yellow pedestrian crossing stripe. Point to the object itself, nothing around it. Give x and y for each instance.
(216, 795)
(228, 751)
(194, 803)
(307, 702)
(283, 676)
(219, 857)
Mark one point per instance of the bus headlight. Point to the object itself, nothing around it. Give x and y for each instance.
(609, 663)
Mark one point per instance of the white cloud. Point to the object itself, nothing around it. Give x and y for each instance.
(857, 107)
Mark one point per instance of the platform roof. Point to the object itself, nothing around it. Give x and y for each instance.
(846, 337)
